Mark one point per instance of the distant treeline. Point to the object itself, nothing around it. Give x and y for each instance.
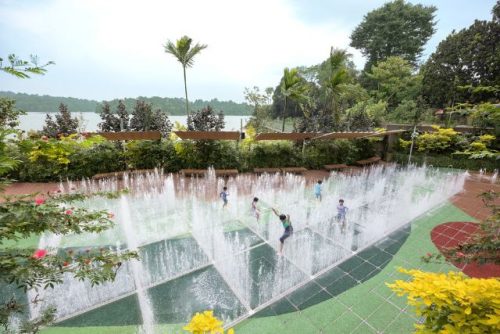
(173, 106)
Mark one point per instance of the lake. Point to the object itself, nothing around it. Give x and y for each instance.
(36, 120)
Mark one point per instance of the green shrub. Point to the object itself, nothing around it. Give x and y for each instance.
(451, 161)
(273, 154)
(207, 153)
(319, 153)
(148, 154)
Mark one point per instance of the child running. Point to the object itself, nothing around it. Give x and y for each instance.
(223, 195)
(287, 225)
(317, 190)
(255, 210)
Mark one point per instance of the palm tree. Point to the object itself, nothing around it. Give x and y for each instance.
(292, 87)
(337, 77)
(184, 53)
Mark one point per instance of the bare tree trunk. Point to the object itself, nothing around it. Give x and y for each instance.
(186, 91)
(284, 112)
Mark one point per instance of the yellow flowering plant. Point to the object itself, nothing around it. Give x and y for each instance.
(452, 303)
(206, 323)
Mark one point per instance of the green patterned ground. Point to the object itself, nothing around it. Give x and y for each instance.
(369, 307)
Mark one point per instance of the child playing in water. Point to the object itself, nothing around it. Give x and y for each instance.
(223, 195)
(255, 210)
(317, 190)
(287, 225)
(341, 212)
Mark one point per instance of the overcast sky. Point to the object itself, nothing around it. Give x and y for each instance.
(107, 49)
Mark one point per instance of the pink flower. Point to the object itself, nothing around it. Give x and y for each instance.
(111, 215)
(65, 263)
(39, 253)
(429, 254)
(68, 212)
(460, 254)
(44, 138)
(39, 201)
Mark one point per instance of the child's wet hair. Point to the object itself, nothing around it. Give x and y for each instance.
(282, 217)
(225, 188)
(341, 200)
(255, 199)
(320, 181)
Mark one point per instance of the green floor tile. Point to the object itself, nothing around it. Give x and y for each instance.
(300, 325)
(381, 318)
(363, 329)
(402, 324)
(316, 299)
(342, 285)
(324, 314)
(367, 305)
(344, 324)
(303, 293)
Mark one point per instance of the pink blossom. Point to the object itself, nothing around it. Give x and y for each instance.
(429, 254)
(44, 138)
(111, 215)
(39, 253)
(39, 201)
(68, 212)
(460, 254)
(65, 263)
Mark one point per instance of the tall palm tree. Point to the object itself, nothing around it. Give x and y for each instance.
(337, 77)
(184, 53)
(292, 87)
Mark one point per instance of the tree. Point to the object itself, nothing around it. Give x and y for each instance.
(292, 88)
(144, 119)
(9, 114)
(395, 29)
(333, 84)
(469, 58)
(206, 120)
(395, 81)
(63, 124)
(110, 123)
(22, 68)
(123, 116)
(184, 53)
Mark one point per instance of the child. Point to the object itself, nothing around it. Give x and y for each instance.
(341, 212)
(255, 211)
(224, 195)
(287, 225)
(317, 190)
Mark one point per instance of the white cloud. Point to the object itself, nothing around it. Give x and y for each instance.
(249, 43)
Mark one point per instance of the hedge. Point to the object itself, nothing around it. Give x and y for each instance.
(448, 161)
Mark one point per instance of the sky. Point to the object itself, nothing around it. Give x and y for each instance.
(106, 49)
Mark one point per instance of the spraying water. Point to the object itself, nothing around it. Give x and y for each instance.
(179, 227)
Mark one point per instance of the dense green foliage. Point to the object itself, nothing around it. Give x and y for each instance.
(465, 66)
(172, 106)
(75, 158)
(398, 28)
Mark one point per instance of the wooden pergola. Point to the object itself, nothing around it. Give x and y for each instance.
(297, 136)
(208, 135)
(129, 135)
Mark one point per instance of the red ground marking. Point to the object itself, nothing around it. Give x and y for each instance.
(451, 234)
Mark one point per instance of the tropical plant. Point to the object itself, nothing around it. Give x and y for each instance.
(184, 53)
(451, 303)
(335, 81)
(292, 88)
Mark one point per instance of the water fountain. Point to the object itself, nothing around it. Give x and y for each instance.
(195, 255)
